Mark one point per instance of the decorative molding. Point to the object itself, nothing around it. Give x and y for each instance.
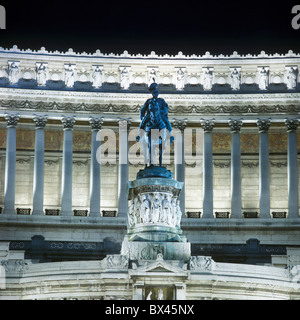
(291, 124)
(14, 266)
(207, 125)
(235, 125)
(68, 122)
(278, 164)
(96, 123)
(51, 162)
(263, 125)
(180, 124)
(80, 163)
(11, 120)
(152, 54)
(250, 164)
(40, 121)
(222, 165)
(23, 161)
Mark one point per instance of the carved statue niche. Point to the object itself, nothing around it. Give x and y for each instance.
(156, 207)
(145, 209)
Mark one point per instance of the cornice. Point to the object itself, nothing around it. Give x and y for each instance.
(131, 96)
(111, 108)
(152, 55)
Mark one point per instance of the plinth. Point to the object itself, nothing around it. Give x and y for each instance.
(154, 217)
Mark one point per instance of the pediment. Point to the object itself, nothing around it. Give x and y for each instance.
(160, 267)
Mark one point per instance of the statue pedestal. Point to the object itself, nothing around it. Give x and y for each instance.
(154, 217)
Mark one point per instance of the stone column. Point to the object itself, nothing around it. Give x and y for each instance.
(236, 177)
(38, 173)
(207, 126)
(95, 175)
(10, 164)
(67, 162)
(123, 175)
(180, 160)
(292, 166)
(264, 171)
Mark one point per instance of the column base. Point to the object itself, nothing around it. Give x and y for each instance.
(9, 211)
(95, 214)
(66, 213)
(38, 213)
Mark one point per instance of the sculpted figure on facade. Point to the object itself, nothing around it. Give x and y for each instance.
(235, 79)
(180, 79)
(207, 79)
(178, 213)
(97, 77)
(131, 213)
(13, 72)
(149, 295)
(69, 76)
(160, 295)
(156, 208)
(137, 210)
(166, 209)
(152, 76)
(125, 81)
(263, 79)
(291, 78)
(174, 211)
(145, 209)
(41, 74)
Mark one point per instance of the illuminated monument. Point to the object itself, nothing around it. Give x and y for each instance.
(217, 217)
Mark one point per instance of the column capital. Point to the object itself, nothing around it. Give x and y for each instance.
(207, 125)
(263, 125)
(96, 123)
(68, 122)
(180, 124)
(235, 125)
(124, 124)
(11, 120)
(40, 121)
(291, 124)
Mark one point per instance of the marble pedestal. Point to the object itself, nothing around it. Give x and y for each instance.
(154, 217)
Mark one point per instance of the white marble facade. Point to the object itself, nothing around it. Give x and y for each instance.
(218, 96)
(184, 74)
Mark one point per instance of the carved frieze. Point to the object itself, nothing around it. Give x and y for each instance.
(116, 261)
(202, 263)
(187, 109)
(154, 208)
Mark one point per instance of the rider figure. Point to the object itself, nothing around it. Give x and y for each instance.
(154, 115)
(159, 107)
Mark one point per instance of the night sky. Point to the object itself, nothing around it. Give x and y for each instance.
(192, 27)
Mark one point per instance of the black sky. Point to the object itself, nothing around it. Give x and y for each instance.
(192, 27)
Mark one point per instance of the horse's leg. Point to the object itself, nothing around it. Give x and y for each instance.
(160, 153)
(149, 148)
(163, 134)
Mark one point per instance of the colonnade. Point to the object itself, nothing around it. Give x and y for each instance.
(95, 188)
